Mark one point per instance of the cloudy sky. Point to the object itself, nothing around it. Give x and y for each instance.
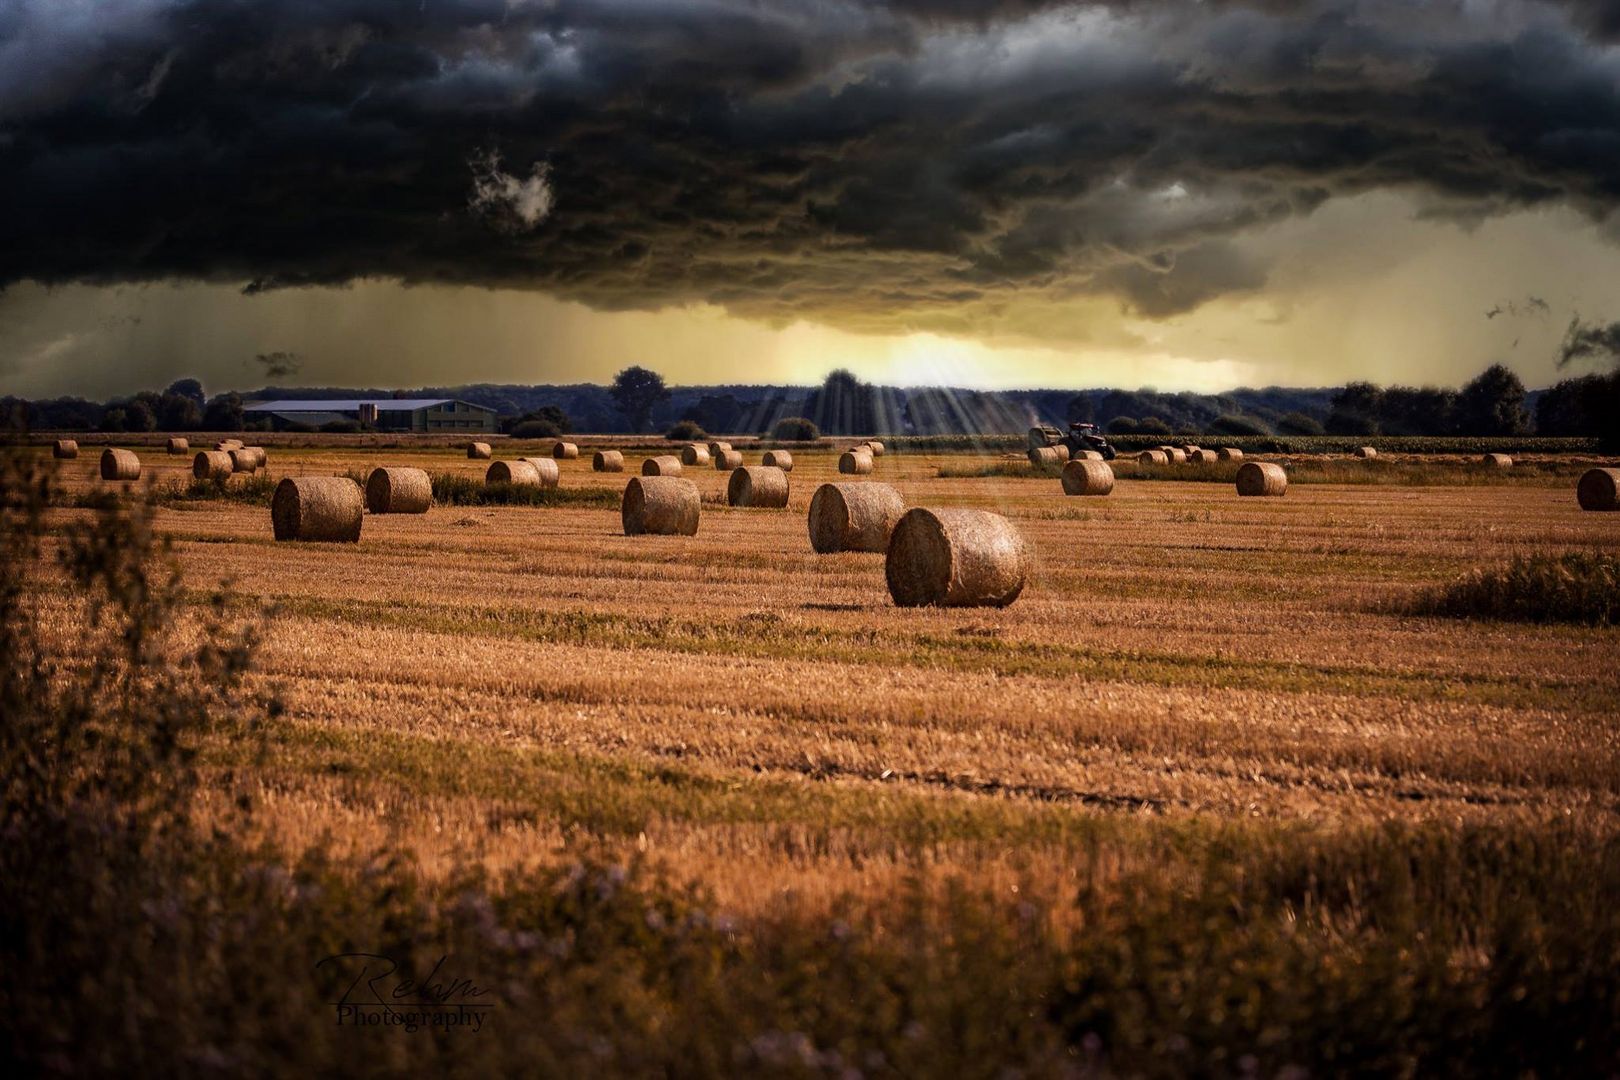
(1143, 192)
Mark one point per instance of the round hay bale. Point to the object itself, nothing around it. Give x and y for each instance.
(1049, 457)
(877, 447)
(607, 461)
(715, 448)
(758, 485)
(855, 463)
(956, 558)
(564, 451)
(1229, 453)
(1496, 461)
(662, 465)
(664, 505)
(1189, 449)
(1599, 489)
(728, 459)
(327, 508)
(1261, 478)
(695, 455)
(854, 517)
(1043, 435)
(120, 464)
(243, 460)
(520, 473)
(1203, 457)
(546, 469)
(398, 491)
(478, 451)
(262, 458)
(1366, 451)
(779, 459)
(1084, 477)
(1176, 455)
(64, 449)
(177, 445)
(1152, 457)
(212, 465)
(1087, 455)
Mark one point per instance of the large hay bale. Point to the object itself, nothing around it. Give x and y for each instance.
(695, 455)
(177, 445)
(261, 458)
(1496, 461)
(398, 491)
(956, 558)
(727, 460)
(779, 459)
(64, 449)
(478, 451)
(1366, 451)
(1229, 453)
(1043, 435)
(854, 517)
(877, 447)
(758, 485)
(1203, 457)
(716, 448)
(564, 451)
(1086, 455)
(212, 465)
(607, 461)
(243, 460)
(1084, 477)
(1599, 489)
(520, 473)
(665, 505)
(327, 508)
(1049, 457)
(1176, 455)
(120, 464)
(1152, 457)
(855, 463)
(662, 465)
(1261, 478)
(546, 469)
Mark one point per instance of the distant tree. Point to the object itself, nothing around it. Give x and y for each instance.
(224, 413)
(1297, 423)
(637, 392)
(138, 416)
(1122, 425)
(1406, 410)
(534, 429)
(1355, 409)
(546, 422)
(178, 412)
(188, 388)
(1152, 425)
(1575, 407)
(795, 429)
(718, 412)
(1492, 404)
(844, 405)
(1597, 341)
(1232, 424)
(686, 431)
(115, 419)
(1080, 409)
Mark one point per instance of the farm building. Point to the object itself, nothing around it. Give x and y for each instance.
(384, 414)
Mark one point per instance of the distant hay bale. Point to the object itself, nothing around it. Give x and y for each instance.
(877, 447)
(853, 517)
(520, 473)
(694, 454)
(1229, 453)
(398, 491)
(1152, 457)
(227, 445)
(779, 459)
(662, 465)
(1496, 461)
(1049, 457)
(1084, 477)
(120, 464)
(956, 558)
(727, 460)
(662, 505)
(325, 508)
(607, 461)
(1366, 451)
(1086, 455)
(478, 451)
(243, 460)
(546, 469)
(1203, 457)
(1599, 489)
(716, 448)
(1189, 449)
(177, 445)
(564, 451)
(64, 449)
(1261, 478)
(855, 463)
(758, 485)
(1176, 455)
(212, 465)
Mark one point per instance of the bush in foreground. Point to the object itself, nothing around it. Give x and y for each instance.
(1574, 588)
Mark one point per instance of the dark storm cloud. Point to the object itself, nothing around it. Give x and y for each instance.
(846, 160)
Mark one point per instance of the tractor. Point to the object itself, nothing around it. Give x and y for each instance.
(1080, 437)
